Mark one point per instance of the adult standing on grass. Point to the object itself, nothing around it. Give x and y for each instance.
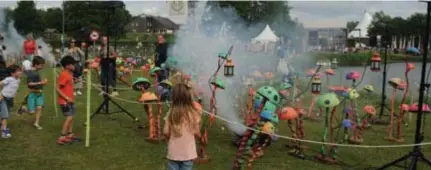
(161, 56)
(30, 49)
(78, 55)
(66, 99)
(109, 59)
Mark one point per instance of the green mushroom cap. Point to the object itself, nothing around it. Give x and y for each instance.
(154, 70)
(166, 83)
(218, 83)
(269, 107)
(328, 100)
(222, 55)
(137, 84)
(270, 93)
(171, 62)
(285, 86)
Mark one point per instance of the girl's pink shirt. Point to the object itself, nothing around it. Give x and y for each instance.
(181, 148)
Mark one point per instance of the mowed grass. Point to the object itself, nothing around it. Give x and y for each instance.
(116, 143)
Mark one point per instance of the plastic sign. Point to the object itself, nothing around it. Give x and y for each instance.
(94, 35)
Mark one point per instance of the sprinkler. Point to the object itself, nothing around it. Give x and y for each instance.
(396, 84)
(328, 101)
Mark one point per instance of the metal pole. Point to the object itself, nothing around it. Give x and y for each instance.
(383, 99)
(62, 31)
(418, 133)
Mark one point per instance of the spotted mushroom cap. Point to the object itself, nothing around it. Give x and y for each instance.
(270, 93)
(328, 100)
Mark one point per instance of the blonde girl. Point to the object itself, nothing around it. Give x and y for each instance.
(181, 128)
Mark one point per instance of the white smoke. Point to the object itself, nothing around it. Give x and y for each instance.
(197, 46)
(14, 41)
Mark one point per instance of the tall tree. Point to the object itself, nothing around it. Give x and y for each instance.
(399, 30)
(255, 14)
(109, 17)
(381, 25)
(52, 18)
(351, 25)
(27, 18)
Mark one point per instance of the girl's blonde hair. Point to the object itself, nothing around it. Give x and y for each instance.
(182, 111)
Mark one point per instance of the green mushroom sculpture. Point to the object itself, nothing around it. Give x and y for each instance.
(328, 101)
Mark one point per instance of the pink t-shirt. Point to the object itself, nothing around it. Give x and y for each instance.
(181, 148)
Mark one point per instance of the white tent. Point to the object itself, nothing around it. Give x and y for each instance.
(267, 35)
(361, 30)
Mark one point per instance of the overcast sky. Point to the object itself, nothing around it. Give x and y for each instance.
(310, 13)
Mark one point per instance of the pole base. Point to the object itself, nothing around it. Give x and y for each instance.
(295, 146)
(326, 160)
(202, 160)
(355, 141)
(379, 122)
(312, 118)
(155, 139)
(297, 153)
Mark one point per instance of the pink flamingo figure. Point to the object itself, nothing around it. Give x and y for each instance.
(409, 67)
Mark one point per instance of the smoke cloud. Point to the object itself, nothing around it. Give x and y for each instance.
(14, 41)
(196, 48)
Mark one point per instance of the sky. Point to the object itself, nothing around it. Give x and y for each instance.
(310, 13)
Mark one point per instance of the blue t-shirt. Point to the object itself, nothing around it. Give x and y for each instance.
(280, 53)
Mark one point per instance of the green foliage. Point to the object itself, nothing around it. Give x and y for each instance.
(274, 13)
(27, 18)
(399, 28)
(97, 15)
(52, 18)
(351, 25)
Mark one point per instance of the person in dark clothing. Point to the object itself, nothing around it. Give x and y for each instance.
(108, 58)
(161, 57)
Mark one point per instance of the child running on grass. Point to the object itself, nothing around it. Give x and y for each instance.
(66, 99)
(35, 99)
(10, 86)
(181, 128)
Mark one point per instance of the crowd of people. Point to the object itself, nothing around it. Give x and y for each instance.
(182, 122)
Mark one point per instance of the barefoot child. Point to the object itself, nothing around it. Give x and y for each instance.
(10, 86)
(66, 99)
(35, 99)
(181, 127)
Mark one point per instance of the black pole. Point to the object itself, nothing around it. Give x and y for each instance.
(416, 153)
(418, 133)
(385, 63)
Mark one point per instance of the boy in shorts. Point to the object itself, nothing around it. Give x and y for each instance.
(35, 99)
(65, 88)
(10, 86)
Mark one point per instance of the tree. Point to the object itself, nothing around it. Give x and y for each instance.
(399, 30)
(381, 25)
(27, 18)
(351, 25)
(109, 17)
(52, 18)
(254, 14)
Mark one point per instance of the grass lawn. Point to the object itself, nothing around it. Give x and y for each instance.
(117, 144)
